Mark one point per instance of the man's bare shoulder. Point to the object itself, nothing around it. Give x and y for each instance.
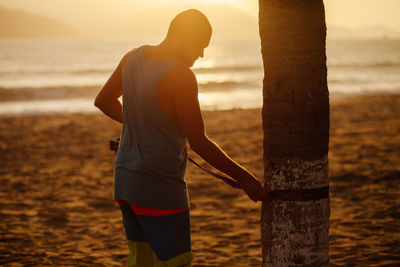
(180, 78)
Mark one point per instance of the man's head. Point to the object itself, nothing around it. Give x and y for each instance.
(189, 33)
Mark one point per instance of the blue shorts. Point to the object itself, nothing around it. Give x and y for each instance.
(157, 237)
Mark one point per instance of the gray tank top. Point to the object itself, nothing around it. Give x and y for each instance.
(151, 160)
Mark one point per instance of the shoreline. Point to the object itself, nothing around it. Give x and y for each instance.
(56, 204)
(85, 106)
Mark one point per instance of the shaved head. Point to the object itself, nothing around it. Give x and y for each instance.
(190, 24)
(188, 35)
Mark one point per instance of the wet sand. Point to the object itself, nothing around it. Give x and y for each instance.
(56, 206)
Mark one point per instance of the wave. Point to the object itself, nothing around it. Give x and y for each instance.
(383, 64)
(350, 64)
(227, 85)
(228, 68)
(106, 71)
(53, 71)
(45, 93)
(199, 70)
(90, 91)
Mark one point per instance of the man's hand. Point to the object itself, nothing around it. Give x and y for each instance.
(253, 188)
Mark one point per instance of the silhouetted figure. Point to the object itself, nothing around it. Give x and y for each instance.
(160, 113)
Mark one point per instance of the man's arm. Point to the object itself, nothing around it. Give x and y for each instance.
(107, 99)
(188, 113)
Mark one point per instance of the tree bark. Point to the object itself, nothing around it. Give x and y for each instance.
(295, 221)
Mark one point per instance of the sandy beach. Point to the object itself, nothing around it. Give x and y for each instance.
(56, 206)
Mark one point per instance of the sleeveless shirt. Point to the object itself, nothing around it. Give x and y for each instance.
(151, 160)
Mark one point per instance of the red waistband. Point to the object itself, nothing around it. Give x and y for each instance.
(140, 210)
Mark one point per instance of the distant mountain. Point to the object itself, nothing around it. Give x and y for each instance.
(144, 21)
(20, 24)
(227, 21)
(152, 23)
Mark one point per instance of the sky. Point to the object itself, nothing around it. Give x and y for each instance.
(351, 14)
(347, 13)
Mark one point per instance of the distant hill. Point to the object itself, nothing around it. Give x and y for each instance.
(152, 23)
(127, 19)
(230, 22)
(227, 21)
(20, 24)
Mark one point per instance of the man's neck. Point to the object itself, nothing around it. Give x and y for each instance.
(162, 51)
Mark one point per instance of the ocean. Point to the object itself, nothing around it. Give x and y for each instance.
(64, 75)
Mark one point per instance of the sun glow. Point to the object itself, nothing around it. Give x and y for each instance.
(212, 1)
(203, 64)
(240, 4)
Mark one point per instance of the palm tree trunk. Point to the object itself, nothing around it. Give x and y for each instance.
(295, 220)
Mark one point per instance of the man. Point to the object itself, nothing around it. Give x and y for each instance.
(160, 113)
